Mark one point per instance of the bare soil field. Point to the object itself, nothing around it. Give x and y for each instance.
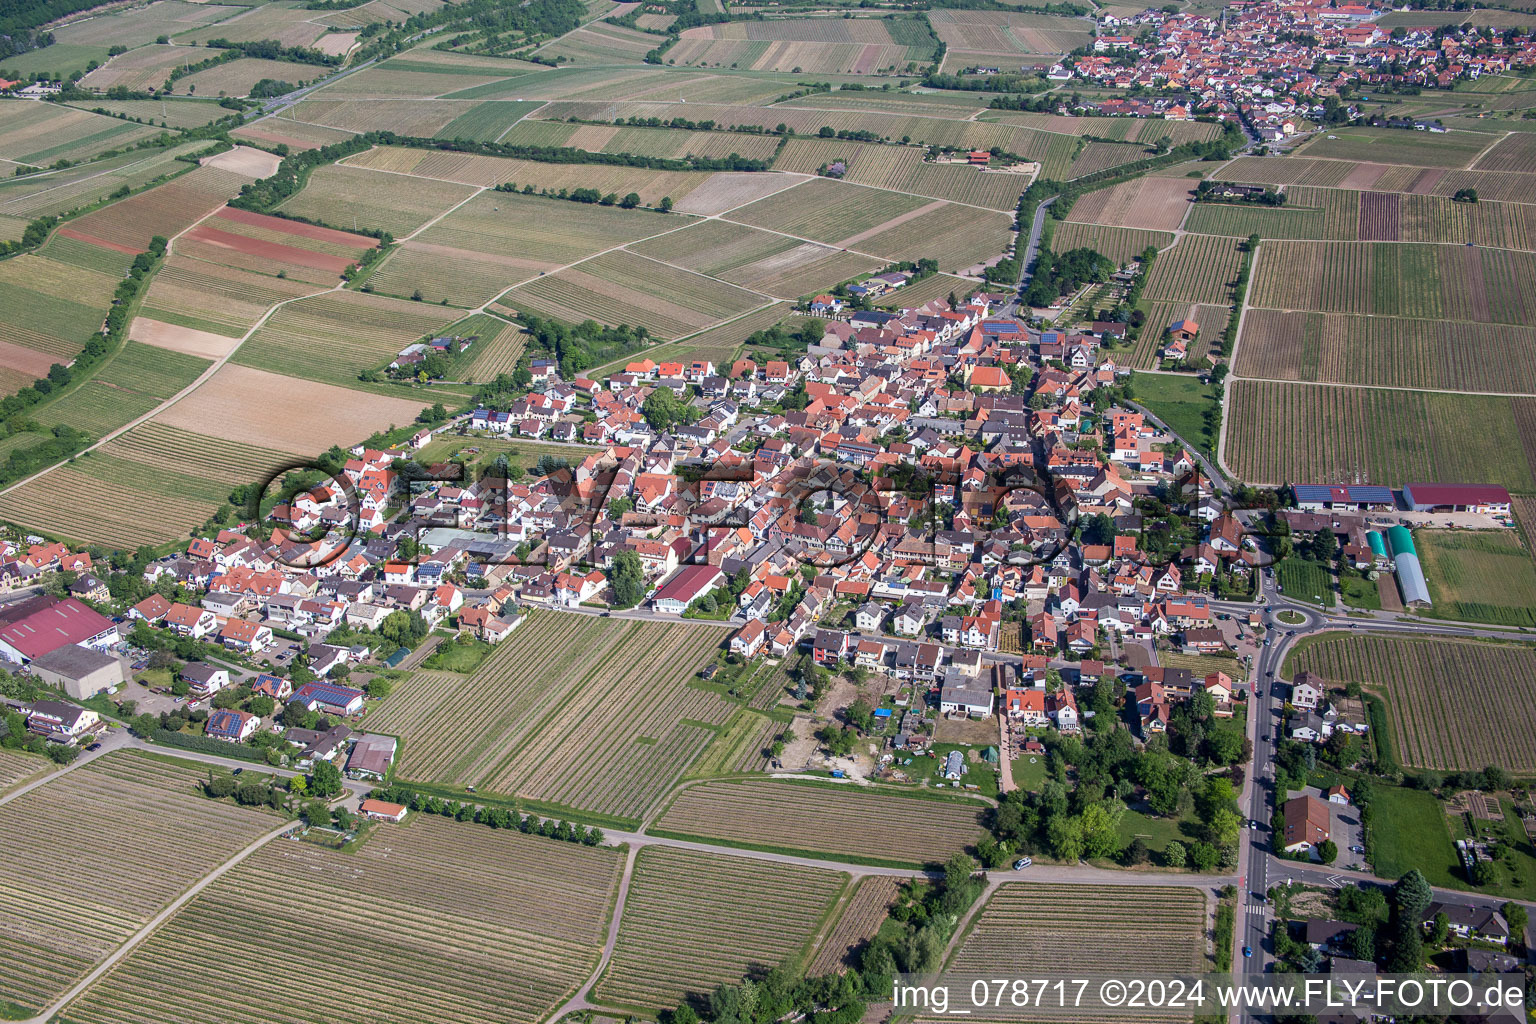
(1155, 203)
(730, 189)
(253, 163)
(204, 344)
(245, 404)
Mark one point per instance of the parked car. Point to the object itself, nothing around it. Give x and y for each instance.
(94, 746)
(1022, 863)
(1357, 849)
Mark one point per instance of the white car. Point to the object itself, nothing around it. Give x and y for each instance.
(1022, 863)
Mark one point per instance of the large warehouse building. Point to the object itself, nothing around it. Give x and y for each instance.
(1410, 574)
(1488, 499)
(1326, 497)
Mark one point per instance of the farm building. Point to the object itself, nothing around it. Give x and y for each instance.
(692, 583)
(1410, 574)
(80, 671)
(1358, 497)
(1486, 498)
(371, 757)
(1307, 823)
(38, 625)
(328, 697)
(382, 810)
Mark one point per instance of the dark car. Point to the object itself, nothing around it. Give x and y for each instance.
(94, 746)
(1247, 951)
(237, 771)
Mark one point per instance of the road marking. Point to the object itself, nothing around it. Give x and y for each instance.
(1337, 881)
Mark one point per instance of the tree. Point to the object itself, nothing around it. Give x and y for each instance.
(1362, 942)
(1440, 929)
(325, 779)
(1411, 895)
(628, 579)
(1173, 854)
(1328, 851)
(1515, 915)
(630, 201)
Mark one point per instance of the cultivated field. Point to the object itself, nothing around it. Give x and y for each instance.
(1281, 433)
(776, 264)
(395, 203)
(54, 192)
(69, 503)
(591, 713)
(412, 117)
(1320, 213)
(236, 77)
(882, 223)
(1516, 152)
(622, 288)
(1453, 704)
(273, 245)
(66, 900)
(1396, 279)
(1483, 576)
(1350, 348)
(450, 910)
(220, 300)
(1000, 33)
(859, 917)
(857, 46)
(695, 920)
(145, 68)
(498, 239)
(163, 210)
(1120, 244)
(17, 767)
(41, 133)
(836, 821)
(288, 132)
(669, 143)
(332, 337)
(1199, 268)
(494, 170)
(1396, 146)
(1117, 930)
(48, 310)
(903, 169)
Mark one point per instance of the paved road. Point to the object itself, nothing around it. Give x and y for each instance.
(1031, 252)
